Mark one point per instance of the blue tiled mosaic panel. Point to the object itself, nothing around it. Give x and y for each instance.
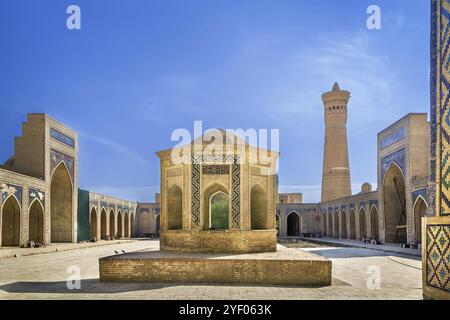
(438, 256)
(420, 192)
(397, 157)
(17, 193)
(61, 137)
(36, 194)
(57, 157)
(393, 138)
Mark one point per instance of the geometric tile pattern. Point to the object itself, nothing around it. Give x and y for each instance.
(420, 192)
(438, 256)
(195, 200)
(57, 157)
(393, 138)
(441, 95)
(236, 193)
(398, 157)
(36, 194)
(10, 189)
(61, 137)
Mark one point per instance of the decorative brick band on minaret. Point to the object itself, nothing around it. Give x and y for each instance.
(336, 170)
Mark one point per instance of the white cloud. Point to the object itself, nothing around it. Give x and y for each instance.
(114, 146)
(351, 60)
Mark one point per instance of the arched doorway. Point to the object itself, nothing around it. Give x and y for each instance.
(132, 233)
(112, 234)
(61, 205)
(344, 225)
(11, 223)
(420, 207)
(362, 224)
(93, 224)
(394, 205)
(324, 225)
(218, 211)
(337, 226)
(352, 224)
(258, 208)
(103, 225)
(330, 225)
(127, 225)
(215, 195)
(374, 230)
(36, 222)
(293, 225)
(120, 225)
(175, 208)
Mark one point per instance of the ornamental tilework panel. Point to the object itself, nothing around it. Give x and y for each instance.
(442, 96)
(10, 189)
(235, 193)
(195, 209)
(56, 157)
(36, 194)
(398, 157)
(420, 192)
(398, 135)
(61, 137)
(438, 256)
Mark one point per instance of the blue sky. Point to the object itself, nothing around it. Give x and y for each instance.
(139, 69)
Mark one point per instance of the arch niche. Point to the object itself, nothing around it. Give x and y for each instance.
(36, 222)
(103, 230)
(93, 223)
(293, 224)
(394, 201)
(175, 208)
(420, 206)
(61, 205)
(11, 222)
(216, 209)
(258, 208)
(362, 223)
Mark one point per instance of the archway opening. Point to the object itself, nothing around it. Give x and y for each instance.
(293, 225)
(362, 224)
(11, 223)
(374, 230)
(352, 224)
(218, 207)
(132, 233)
(36, 223)
(119, 225)
(103, 225)
(344, 225)
(112, 234)
(337, 224)
(395, 205)
(258, 208)
(324, 225)
(419, 212)
(127, 225)
(61, 205)
(175, 208)
(330, 225)
(93, 224)
(219, 194)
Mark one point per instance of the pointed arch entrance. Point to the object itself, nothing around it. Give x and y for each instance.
(61, 205)
(420, 206)
(175, 208)
(352, 224)
(11, 223)
(36, 222)
(93, 224)
(112, 233)
(374, 229)
(258, 210)
(293, 224)
(362, 223)
(103, 230)
(394, 196)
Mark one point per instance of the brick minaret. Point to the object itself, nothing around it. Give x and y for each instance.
(336, 170)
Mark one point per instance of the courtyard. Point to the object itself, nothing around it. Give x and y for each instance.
(358, 273)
